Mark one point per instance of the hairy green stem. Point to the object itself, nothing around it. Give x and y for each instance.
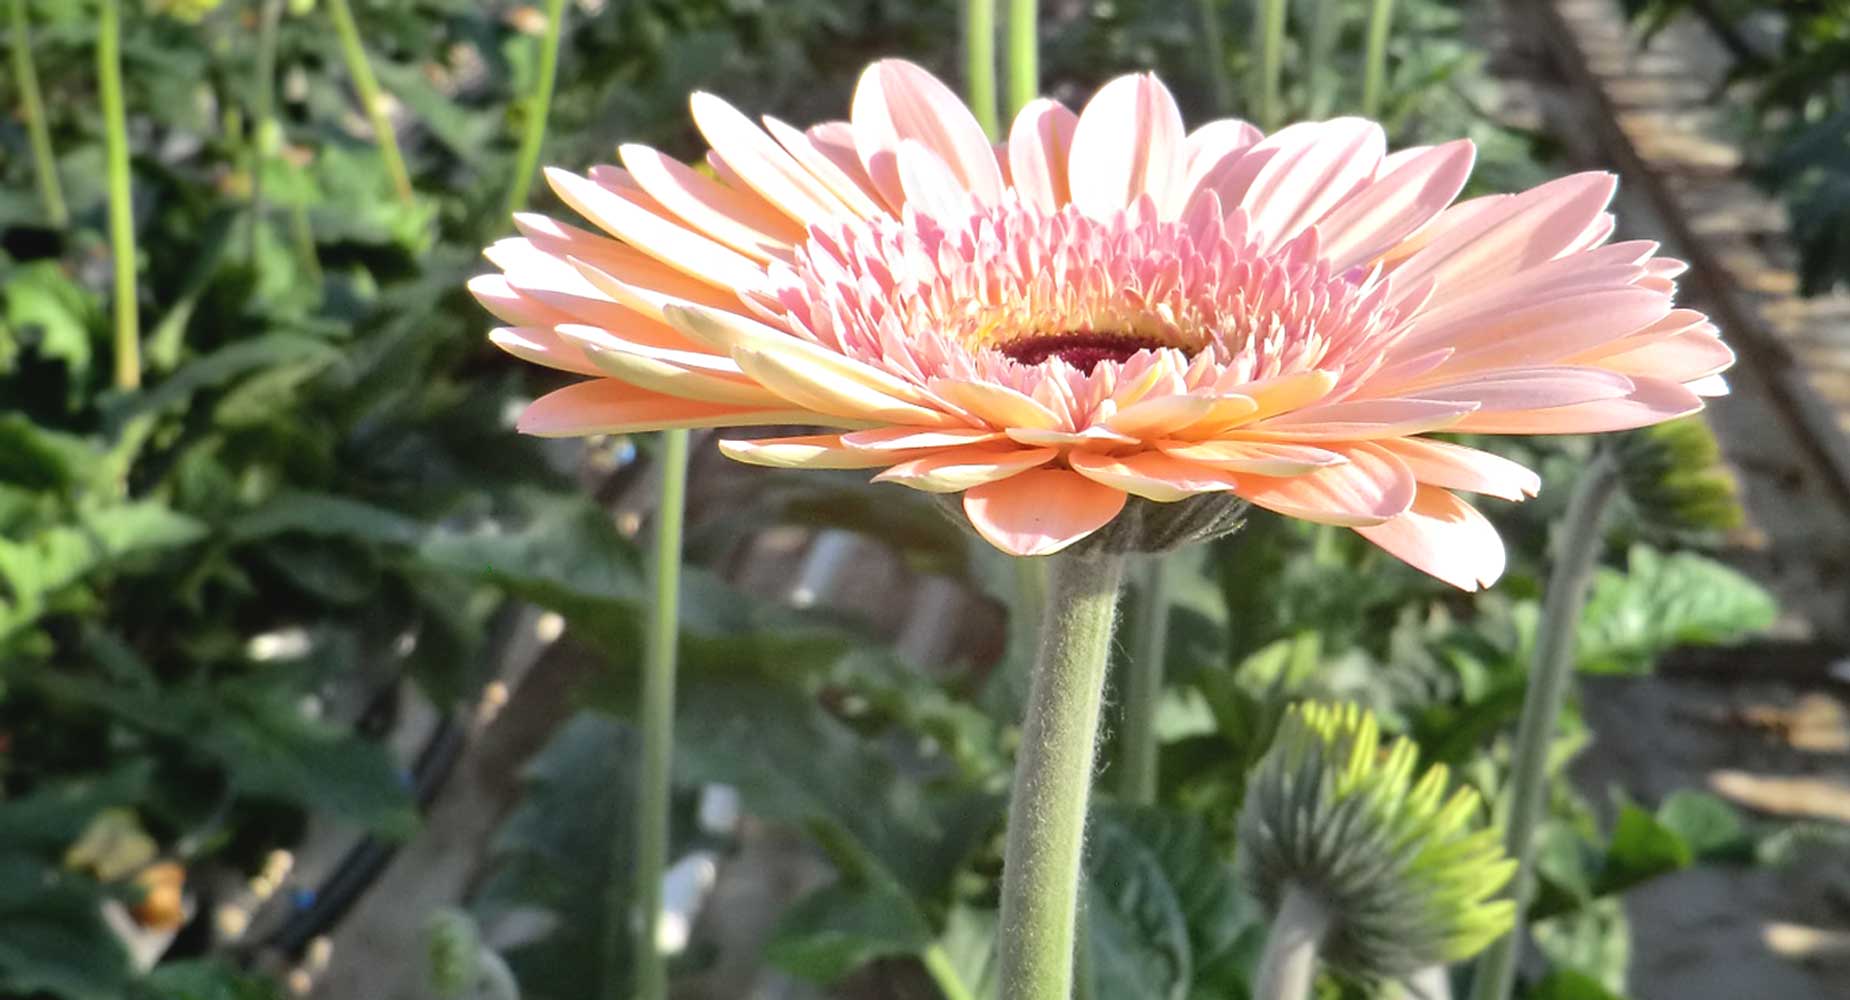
(1288, 969)
(1053, 778)
(1374, 66)
(264, 137)
(26, 76)
(658, 684)
(1541, 704)
(1214, 45)
(1269, 26)
(370, 96)
(1024, 54)
(121, 204)
(944, 975)
(1143, 684)
(528, 159)
(980, 62)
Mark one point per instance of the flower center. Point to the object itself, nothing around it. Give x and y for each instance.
(1083, 349)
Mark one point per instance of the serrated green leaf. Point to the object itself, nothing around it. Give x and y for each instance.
(42, 299)
(34, 570)
(1661, 602)
(1641, 848)
(326, 515)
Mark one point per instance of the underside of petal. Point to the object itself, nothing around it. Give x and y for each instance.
(1443, 536)
(1041, 512)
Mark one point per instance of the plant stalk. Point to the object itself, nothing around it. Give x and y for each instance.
(370, 95)
(980, 62)
(658, 690)
(1541, 704)
(1288, 969)
(1374, 66)
(1215, 46)
(944, 975)
(1269, 26)
(1023, 54)
(121, 204)
(1143, 684)
(1053, 778)
(264, 128)
(1325, 25)
(528, 159)
(44, 163)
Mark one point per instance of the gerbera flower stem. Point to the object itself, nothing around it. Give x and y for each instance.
(527, 161)
(1216, 49)
(26, 76)
(121, 206)
(1143, 684)
(658, 689)
(1024, 54)
(1288, 968)
(1053, 778)
(264, 128)
(1541, 705)
(980, 62)
(1270, 29)
(1374, 66)
(374, 100)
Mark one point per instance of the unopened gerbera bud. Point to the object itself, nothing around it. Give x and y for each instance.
(1397, 874)
(1676, 477)
(454, 948)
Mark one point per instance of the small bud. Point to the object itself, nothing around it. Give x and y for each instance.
(1676, 477)
(1403, 870)
(454, 948)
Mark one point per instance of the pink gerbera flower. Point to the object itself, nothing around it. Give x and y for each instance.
(1106, 306)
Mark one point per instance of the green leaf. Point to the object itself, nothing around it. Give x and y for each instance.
(1595, 940)
(256, 354)
(1712, 828)
(1566, 984)
(39, 458)
(55, 940)
(1661, 602)
(326, 515)
(37, 568)
(206, 979)
(40, 297)
(835, 930)
(1641, 849)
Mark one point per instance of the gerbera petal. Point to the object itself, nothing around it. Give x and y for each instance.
(998, 405)
(1445, 537)
(1039, 141)
(957, 469)
(1457, 467)
(541, 345)
(829, 392)
(1212, 145)
(886, 440)
(1128, 144)
(732, 333)
(606, 406)
(1163, 415)
(674, 245)
(1652, 401)
(898, 100)
(810, 451)
(653, 370)
(1261, 458)
(646, 283)
(762, 164)
(1683, 357)
(1315, 169)
(1364, 419)
(1532, 388)
(1371, 487)
(1152, 475)
(929, 185)
(742, 221)
(827, 152)
(1041, 512)
(1513, 234)
(1395, 206)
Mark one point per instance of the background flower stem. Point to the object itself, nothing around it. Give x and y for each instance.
(1374, 66)
(1024, 54)
(1320, 44)
(368, 88)
(263, 128)
(1215, 49)
(539, 106)
(980, 62)
(658, 696)
(1143, 683)
(26, 77)
(1269, 26)
(1541, 704)
(1053, 778)
(1288, 968)
(121, 204)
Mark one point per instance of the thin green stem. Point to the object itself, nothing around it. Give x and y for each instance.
(1541, 704)
(1269, 27)
(1143, 684)
(264, 131)
(1288, 969)
(1214, 44)
(26, 75)
(980, 62)
(370, 96)
(658, 683)
(944, 975)
(1024, 54)
(1325, 25)
(1053, 779)
(538, 109)
(121, 206)
(1374, 66)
